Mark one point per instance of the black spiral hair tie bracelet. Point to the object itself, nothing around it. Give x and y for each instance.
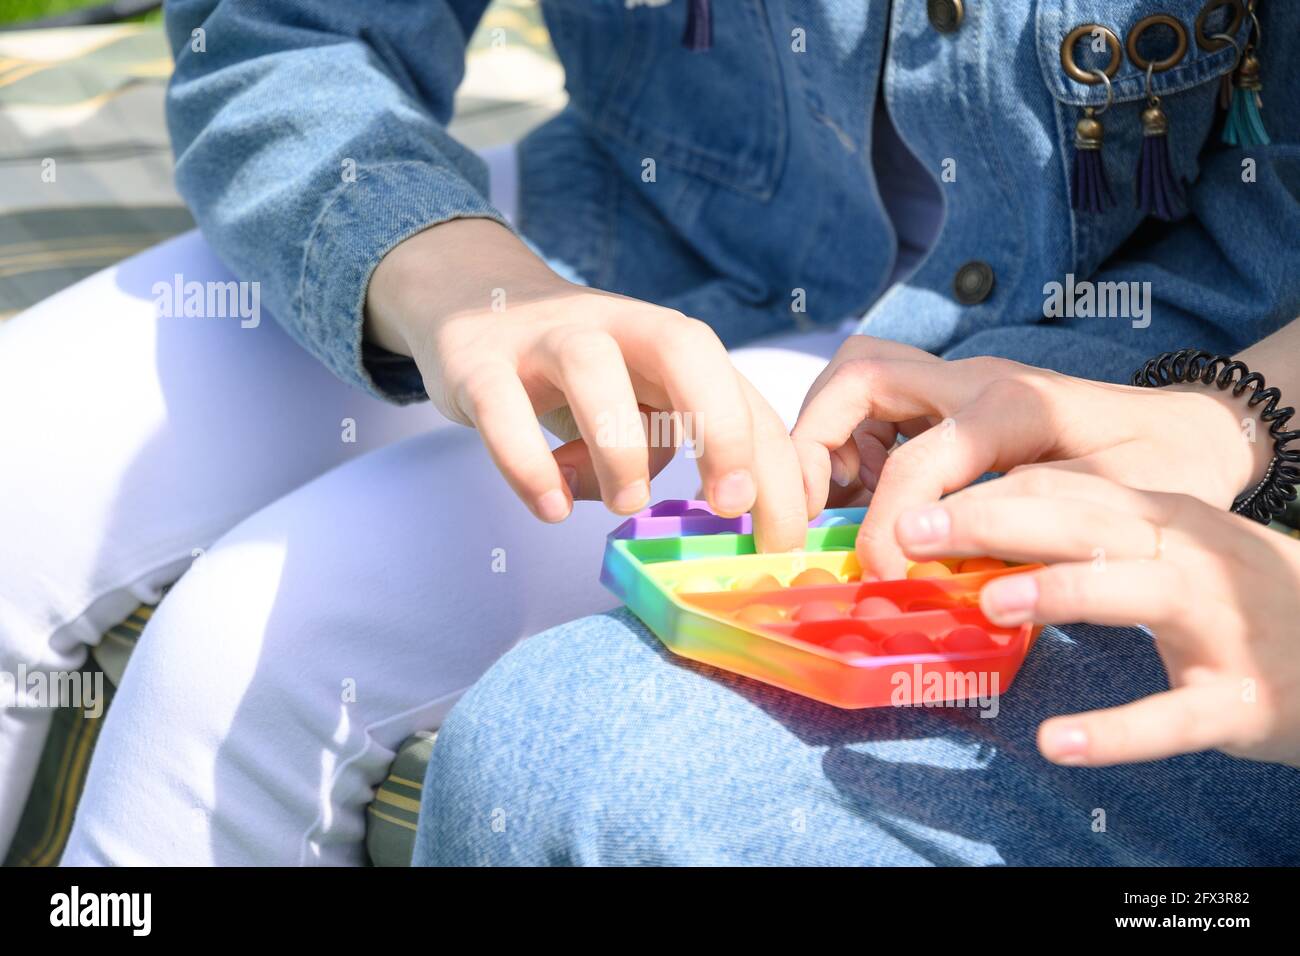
(1269, 498)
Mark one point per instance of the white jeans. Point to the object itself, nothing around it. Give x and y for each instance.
(344, 594)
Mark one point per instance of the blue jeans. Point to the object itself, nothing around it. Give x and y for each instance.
(591, 744)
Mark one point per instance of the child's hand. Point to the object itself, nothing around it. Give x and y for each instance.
(979, 415)
(501, 340)
(1221, 593)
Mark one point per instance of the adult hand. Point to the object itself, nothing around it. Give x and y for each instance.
(979, 415)
(1221, 593)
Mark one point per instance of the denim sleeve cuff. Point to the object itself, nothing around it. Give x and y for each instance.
(362, 221)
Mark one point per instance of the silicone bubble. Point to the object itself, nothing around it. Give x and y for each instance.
(870, 607)
(812, 578)
(975, 565)
(761, 614)
(908, 642)
(819, 611)
(853, 644)
(756, 582)
(968, 638)
(928, 569)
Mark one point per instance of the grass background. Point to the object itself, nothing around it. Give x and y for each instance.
(15, 11)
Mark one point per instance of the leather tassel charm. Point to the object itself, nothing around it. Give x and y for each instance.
(1244, 126)
(699, 26)
(1158, 192)
(1089, 190)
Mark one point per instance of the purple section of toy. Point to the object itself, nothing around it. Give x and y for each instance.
(680, 517)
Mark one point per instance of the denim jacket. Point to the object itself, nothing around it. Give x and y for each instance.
(763, 201)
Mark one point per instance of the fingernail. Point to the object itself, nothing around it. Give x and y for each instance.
(631, 498)
(734, 492)
(570, 476)
(1065, 743)
(840, 472)
(1010, 600)
(924, 526)
(553, 506)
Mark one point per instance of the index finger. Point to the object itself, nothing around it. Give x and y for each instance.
(860, 390)
(685, 359)
(780, 518)
(895, 390)
(989, 435)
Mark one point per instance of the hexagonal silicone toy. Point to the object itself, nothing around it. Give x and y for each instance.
(804, 621)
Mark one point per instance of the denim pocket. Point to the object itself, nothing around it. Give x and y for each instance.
(1058, 18)
(719, 115)
(1188, 91)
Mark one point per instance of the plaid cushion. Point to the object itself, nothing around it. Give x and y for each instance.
(47, 818)
(61, 775)
(391, 818)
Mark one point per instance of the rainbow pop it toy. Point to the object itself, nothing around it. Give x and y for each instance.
(805, 621)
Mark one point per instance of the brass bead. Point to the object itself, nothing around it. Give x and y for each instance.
(1248, 73)
(1154, 121)
(1088, 133)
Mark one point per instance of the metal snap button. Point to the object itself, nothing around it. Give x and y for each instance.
(973, 283)
(945, 15)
